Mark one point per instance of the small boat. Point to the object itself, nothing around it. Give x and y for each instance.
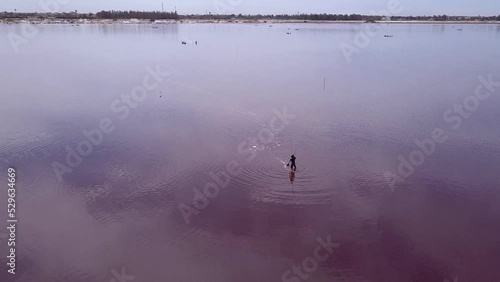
(388, 35)
(184, 42)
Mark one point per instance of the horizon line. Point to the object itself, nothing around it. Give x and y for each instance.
(253, 14)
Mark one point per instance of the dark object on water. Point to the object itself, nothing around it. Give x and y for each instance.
(459, 29)
(288, 33)
(293, 167)
(388, 35)
(184, 42)
(196, 42)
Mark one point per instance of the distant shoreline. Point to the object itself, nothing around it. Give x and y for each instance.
(203, 21)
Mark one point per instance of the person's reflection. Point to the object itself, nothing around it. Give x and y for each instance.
(292, 176)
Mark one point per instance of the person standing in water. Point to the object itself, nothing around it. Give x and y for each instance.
(292, 160)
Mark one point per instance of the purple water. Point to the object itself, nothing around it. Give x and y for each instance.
(127, 212)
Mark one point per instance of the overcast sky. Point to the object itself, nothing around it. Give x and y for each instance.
(410, 7)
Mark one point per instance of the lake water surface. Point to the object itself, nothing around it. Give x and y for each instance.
(222, 104)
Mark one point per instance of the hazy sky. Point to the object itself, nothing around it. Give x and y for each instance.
(410, 7)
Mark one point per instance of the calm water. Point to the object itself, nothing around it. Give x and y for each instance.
(119, 209)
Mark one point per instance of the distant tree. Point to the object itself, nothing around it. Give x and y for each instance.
(138, 14)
